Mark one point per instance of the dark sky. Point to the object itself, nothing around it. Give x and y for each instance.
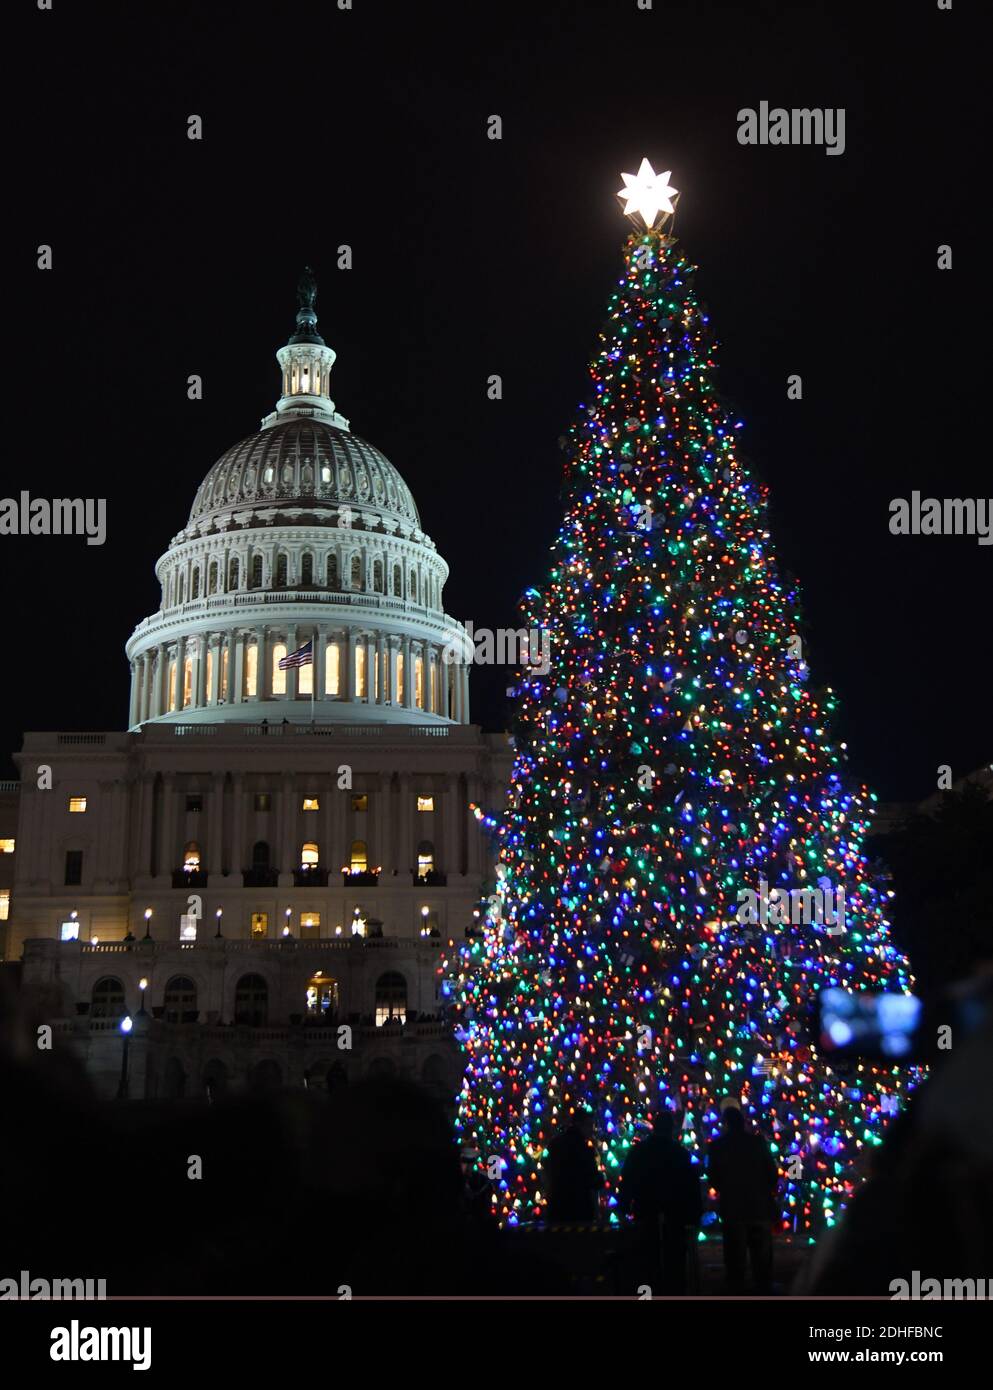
(473, 257)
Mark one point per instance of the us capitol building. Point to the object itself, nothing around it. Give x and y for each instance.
(251, 886)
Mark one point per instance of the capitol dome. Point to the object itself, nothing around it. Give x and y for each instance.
(303, 542)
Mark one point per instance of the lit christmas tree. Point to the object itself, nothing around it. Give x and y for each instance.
(672, 761)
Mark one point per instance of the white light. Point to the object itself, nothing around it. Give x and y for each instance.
(142, 983)
(647, 193)
(127, 1024)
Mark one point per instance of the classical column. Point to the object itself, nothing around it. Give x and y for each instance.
(350, 665)
(320, 657)
(216, 647)
(390, 673)
(264, 682)
(464, 687)
(259, 635)
(200, 671)
(408, 676)
(236, 671)
(161, 689)
(137, 685)
(381, 663)
(370, 669)
(293, 674)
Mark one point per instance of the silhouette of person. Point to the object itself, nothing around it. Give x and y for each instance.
(741, 1167)
(572, 1173)
(659, 1185)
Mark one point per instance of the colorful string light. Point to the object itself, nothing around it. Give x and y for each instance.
(674, 755)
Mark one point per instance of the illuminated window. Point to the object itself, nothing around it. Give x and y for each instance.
(188, 926)
(305, 674)
(251, 670)
(107, 1000)
(172, 685)
(311, 803)
(360, 665)
(310, 924)
(425, 858)
(325, 472)
(187, 681)
(310, 855)
(77, 803)
(5, 906)
(425, 803)
(260, 924)
(278, 676)
(262, 801)
(358, 860)
(332, 668)
(191, 858)
(360, 801)
(419, 682)
(69, 931)
(322, 995)
(222, 691)
(74, 866)
(6, 846)
(210, 674)
(391, 998)
(399, 680)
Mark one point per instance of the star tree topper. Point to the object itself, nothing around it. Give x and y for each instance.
(647, 194)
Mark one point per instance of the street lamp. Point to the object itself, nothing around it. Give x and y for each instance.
(142, 985)
(218, 914)
(126, 1024)
(288, 914)
(148, 924)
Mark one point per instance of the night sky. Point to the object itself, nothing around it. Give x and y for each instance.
(473, 257)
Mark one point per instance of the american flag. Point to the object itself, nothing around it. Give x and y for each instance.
(303, 656)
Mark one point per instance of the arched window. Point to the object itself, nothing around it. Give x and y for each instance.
(358, 859)
(251, 675)
(278, 676)
(182, 586)
(191, 858)
(332, 668)
(425, 859)
(251, 1001)
(195, 586)
(107, 1000)
(332, 572)
(419, 682)
(212, 578)
(256, 580)
(325, 472)
(391, 998)
(187, 681)
(377, 576)
(307, 570)
(356, 580)
(260, 854)
(397, 581)
(310, 855)
(180, 1000)
(233, 575)
(412, 587)
(281, 570)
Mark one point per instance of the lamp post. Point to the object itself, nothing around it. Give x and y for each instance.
(127, 1023)
(148, 924)
(288, 914)
(218, 914)
(142, 985)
